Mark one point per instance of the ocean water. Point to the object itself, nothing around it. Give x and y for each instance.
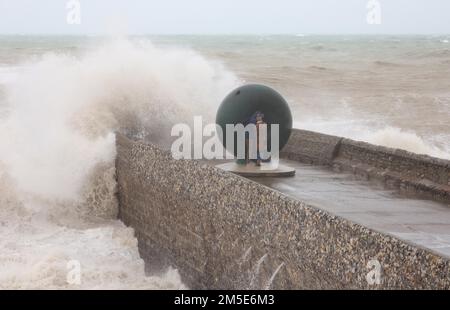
(387, 90)
(62, 98)
(60, 107)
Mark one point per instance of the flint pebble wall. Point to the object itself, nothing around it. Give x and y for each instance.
(222, 231)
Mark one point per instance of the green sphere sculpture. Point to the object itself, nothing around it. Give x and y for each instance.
(242, 103)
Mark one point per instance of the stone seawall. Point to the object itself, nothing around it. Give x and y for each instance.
(222, 231)
(312, 147)
(413, 173)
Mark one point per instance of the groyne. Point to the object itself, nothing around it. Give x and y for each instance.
(222, 231)
(412, 173)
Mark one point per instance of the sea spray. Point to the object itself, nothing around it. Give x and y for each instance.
(378, 134)
(57, 150)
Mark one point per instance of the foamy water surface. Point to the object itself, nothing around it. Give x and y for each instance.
(59, 112)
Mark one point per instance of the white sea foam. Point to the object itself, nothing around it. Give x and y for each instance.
(410, 141)
(57, 177)
(8, 74)
(388, 136)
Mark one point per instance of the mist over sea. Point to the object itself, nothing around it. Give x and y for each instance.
(62, 99)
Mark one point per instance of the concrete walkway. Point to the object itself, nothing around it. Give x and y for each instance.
(423, 222)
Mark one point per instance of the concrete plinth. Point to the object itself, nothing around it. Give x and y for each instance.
(251, 170)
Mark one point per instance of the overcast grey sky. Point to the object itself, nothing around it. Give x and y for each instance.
(224, 17)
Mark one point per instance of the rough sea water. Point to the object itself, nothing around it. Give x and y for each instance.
(62, 99)
(60, 108)
(387, 90)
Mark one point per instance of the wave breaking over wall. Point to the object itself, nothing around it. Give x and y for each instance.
(57, 151)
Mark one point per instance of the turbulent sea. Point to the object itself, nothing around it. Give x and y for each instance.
(62, 99)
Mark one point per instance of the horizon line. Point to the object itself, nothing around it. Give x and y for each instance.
(223, 34)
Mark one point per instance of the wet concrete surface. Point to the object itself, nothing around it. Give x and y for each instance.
(425, 223)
